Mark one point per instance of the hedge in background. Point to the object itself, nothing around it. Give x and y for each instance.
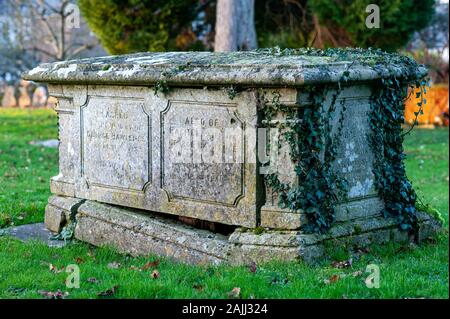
(125, 26)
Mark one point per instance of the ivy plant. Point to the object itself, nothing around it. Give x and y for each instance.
(313, 148)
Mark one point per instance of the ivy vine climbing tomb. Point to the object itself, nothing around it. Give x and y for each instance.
(319, 188)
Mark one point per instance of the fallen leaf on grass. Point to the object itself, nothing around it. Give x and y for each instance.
(235, 293)
(108, 293)
(155, 274)
(198, 286)
(53, 294)
(362, 250)
(79, 260)
(6, 221)
(342, 264)
(252, 267)
(114, 265)
(55, 269)
(332, 279)
(151, 264)
(93, 280)
(91, 254)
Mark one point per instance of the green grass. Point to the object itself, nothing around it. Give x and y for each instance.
(25, 169)
(406, 272)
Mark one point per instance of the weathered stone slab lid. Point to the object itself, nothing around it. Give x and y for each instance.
(250, 68)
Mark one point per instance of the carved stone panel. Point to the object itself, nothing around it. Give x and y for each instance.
(115, 143)
(202, 152)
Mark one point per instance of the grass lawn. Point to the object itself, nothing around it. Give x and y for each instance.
(26, 269)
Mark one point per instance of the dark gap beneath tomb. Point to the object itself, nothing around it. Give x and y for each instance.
(214, 227)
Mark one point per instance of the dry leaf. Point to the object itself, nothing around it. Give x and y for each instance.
(151, 264)
(108, 293)
(114, 265)
(362, 250)
(342, 264)
(155, 274)
(79, 260)
(252, 267)
(53, 295)
(197, 286)
(332, 279)
(55, 269)
(235, 293)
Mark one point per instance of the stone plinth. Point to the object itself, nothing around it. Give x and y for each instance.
(177, 134)
(139, 233)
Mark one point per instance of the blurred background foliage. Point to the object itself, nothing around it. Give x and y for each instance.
(34, 31)
(125, 26)
(139, 25)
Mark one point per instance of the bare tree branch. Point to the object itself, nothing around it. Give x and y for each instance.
(33, 31)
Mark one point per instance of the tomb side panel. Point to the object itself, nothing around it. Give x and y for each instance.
(126, 156)
(69, 100)
(207, 159)
(354, 159)
(115, 145)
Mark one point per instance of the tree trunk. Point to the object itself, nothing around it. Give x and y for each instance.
(235, 26)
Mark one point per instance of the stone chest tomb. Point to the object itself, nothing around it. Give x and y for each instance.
(169, 153)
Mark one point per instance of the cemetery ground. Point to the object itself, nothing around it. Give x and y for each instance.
(30, 270)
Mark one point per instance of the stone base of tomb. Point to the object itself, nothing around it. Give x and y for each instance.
(142, 233)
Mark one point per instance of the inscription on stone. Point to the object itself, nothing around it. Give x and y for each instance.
(115, 143)
(202, 152)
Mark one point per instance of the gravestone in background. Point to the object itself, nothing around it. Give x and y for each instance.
(39, 98)
(132, 160)
(9, 100)
(24, 99)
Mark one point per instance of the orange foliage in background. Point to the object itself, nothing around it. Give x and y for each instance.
(435, 110)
